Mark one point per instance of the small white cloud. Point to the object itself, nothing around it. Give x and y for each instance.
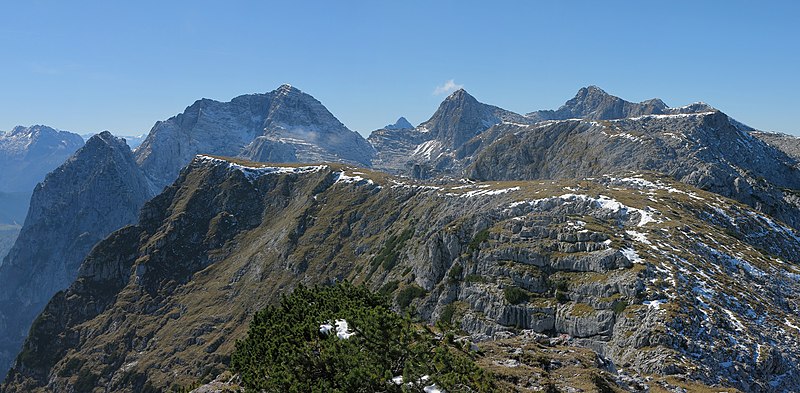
(447, 88)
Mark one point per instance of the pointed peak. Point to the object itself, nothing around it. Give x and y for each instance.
(400, 124)
(286, 88)
(459, 94)
(591, 90)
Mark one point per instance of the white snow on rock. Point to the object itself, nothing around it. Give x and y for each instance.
(654, 303)
(342, 177)
(638, 236)
(632, 255)
(254, 172)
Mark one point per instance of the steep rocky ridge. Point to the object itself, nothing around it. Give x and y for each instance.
(459, 118)
(653, 275)
(95, 192)
(285, 124)
(706, 150)
(27, 154)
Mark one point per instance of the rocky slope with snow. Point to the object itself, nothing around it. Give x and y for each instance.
(285, 124)
(27, 154)
(95, 192)
(657, 278)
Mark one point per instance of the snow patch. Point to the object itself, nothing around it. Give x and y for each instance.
(632, 255)
(343, 331)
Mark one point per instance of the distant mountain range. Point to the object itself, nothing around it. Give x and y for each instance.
(27, 154)
(687, 161)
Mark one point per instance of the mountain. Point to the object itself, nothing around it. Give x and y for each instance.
(96, 191)
(593, 103)
(133, 141)
(295, 124)
(400, 124)
(459, 118)
(27, 154)
(102, 187)
(662, 281)
(706, 150)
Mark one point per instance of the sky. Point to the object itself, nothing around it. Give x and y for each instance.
(88, 66)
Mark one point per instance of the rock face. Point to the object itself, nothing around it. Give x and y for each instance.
(95, 192)
(655, 276)
(27, 154)
(283, 124)
(459, 118)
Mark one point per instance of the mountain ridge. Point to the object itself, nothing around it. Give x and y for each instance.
(229, 235)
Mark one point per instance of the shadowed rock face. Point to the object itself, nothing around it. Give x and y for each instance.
(654, 275)
(27, 154)
(95, 192)
(286, 119)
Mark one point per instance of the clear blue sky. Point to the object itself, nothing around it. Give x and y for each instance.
(86, 66)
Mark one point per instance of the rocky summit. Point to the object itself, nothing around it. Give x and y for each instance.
(656, 277)
(285, 125)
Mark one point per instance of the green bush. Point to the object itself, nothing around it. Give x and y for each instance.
(479, 238)
(407, 294)
(285, 351)
(454, 275)
(515, 295)
(390, 253)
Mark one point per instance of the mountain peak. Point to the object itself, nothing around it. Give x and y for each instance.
(459, 95)
(286, 89)
(400, 124)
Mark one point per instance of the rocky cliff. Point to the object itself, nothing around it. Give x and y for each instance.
(656, 277)
(95, 192)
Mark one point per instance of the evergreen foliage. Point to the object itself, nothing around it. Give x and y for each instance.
(285, 351)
